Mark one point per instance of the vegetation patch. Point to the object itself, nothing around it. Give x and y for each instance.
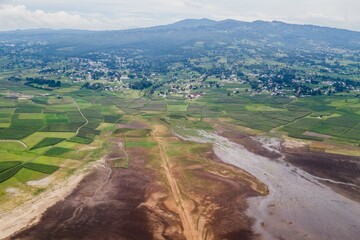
(348, 120)
(176, 107)
(88, 131)
(143, 144)
(121, 163)
(300, 133)
(40, 100)
(30, 116)
(81, 140)
(305, 123)
(57, 151)
(43, 168)
(7, 165)
(262, 107)
(30, 124)
(28, 109)
(56, 118)
(353, 134)
(61, 127)
(129, 132)
(48, 142)
(16, 133)
(111, 118)
(92, 113)
(329, 129)
(5, 175)
(75, 116)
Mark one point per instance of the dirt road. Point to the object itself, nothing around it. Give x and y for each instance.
(188, 194)
(189, 227)
(299, 206)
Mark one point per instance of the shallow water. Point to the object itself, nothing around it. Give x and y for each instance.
(298, 206)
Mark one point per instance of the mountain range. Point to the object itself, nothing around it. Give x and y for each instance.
(172, 37)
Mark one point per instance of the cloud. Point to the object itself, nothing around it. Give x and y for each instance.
(345, 22)
(19, 17)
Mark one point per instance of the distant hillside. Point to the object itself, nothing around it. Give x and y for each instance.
(173, 37)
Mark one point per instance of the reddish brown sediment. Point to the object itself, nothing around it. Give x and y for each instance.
(249, 143)
(213, 194)
(231, 132)
(147, 202)
(188, 195)
(339, 168)
(114, 213)
(343, 170)
(298, 203)
(30, 212)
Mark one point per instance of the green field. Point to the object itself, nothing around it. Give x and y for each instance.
(176, 107)
(44, 168)
(7, 165)
(128, 132)
(53, 134)
(46, 128)
(81, 140)
(57, 151)
(10, 169)
(143, 144)
(47, 142)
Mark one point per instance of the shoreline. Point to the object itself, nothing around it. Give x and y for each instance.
(298, 206)
(297, 201)
(136, 202)
(29, 213)
(280, 213)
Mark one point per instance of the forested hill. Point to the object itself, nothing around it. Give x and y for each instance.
(187, 33)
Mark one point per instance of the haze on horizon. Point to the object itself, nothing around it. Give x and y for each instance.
(113, 15)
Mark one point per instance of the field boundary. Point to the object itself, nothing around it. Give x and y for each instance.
(15, 141)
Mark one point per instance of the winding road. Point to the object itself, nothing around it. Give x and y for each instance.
(82, 114)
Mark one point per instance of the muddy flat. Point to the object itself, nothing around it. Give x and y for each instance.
(298, 206)
(175, 190)
(113, 213)
(233, 186)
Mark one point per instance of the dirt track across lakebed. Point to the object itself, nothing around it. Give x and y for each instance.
(154, 199)
(138, 202)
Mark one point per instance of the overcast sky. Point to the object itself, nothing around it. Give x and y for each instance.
(122, 14)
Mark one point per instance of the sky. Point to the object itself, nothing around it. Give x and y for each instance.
(124, 14)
